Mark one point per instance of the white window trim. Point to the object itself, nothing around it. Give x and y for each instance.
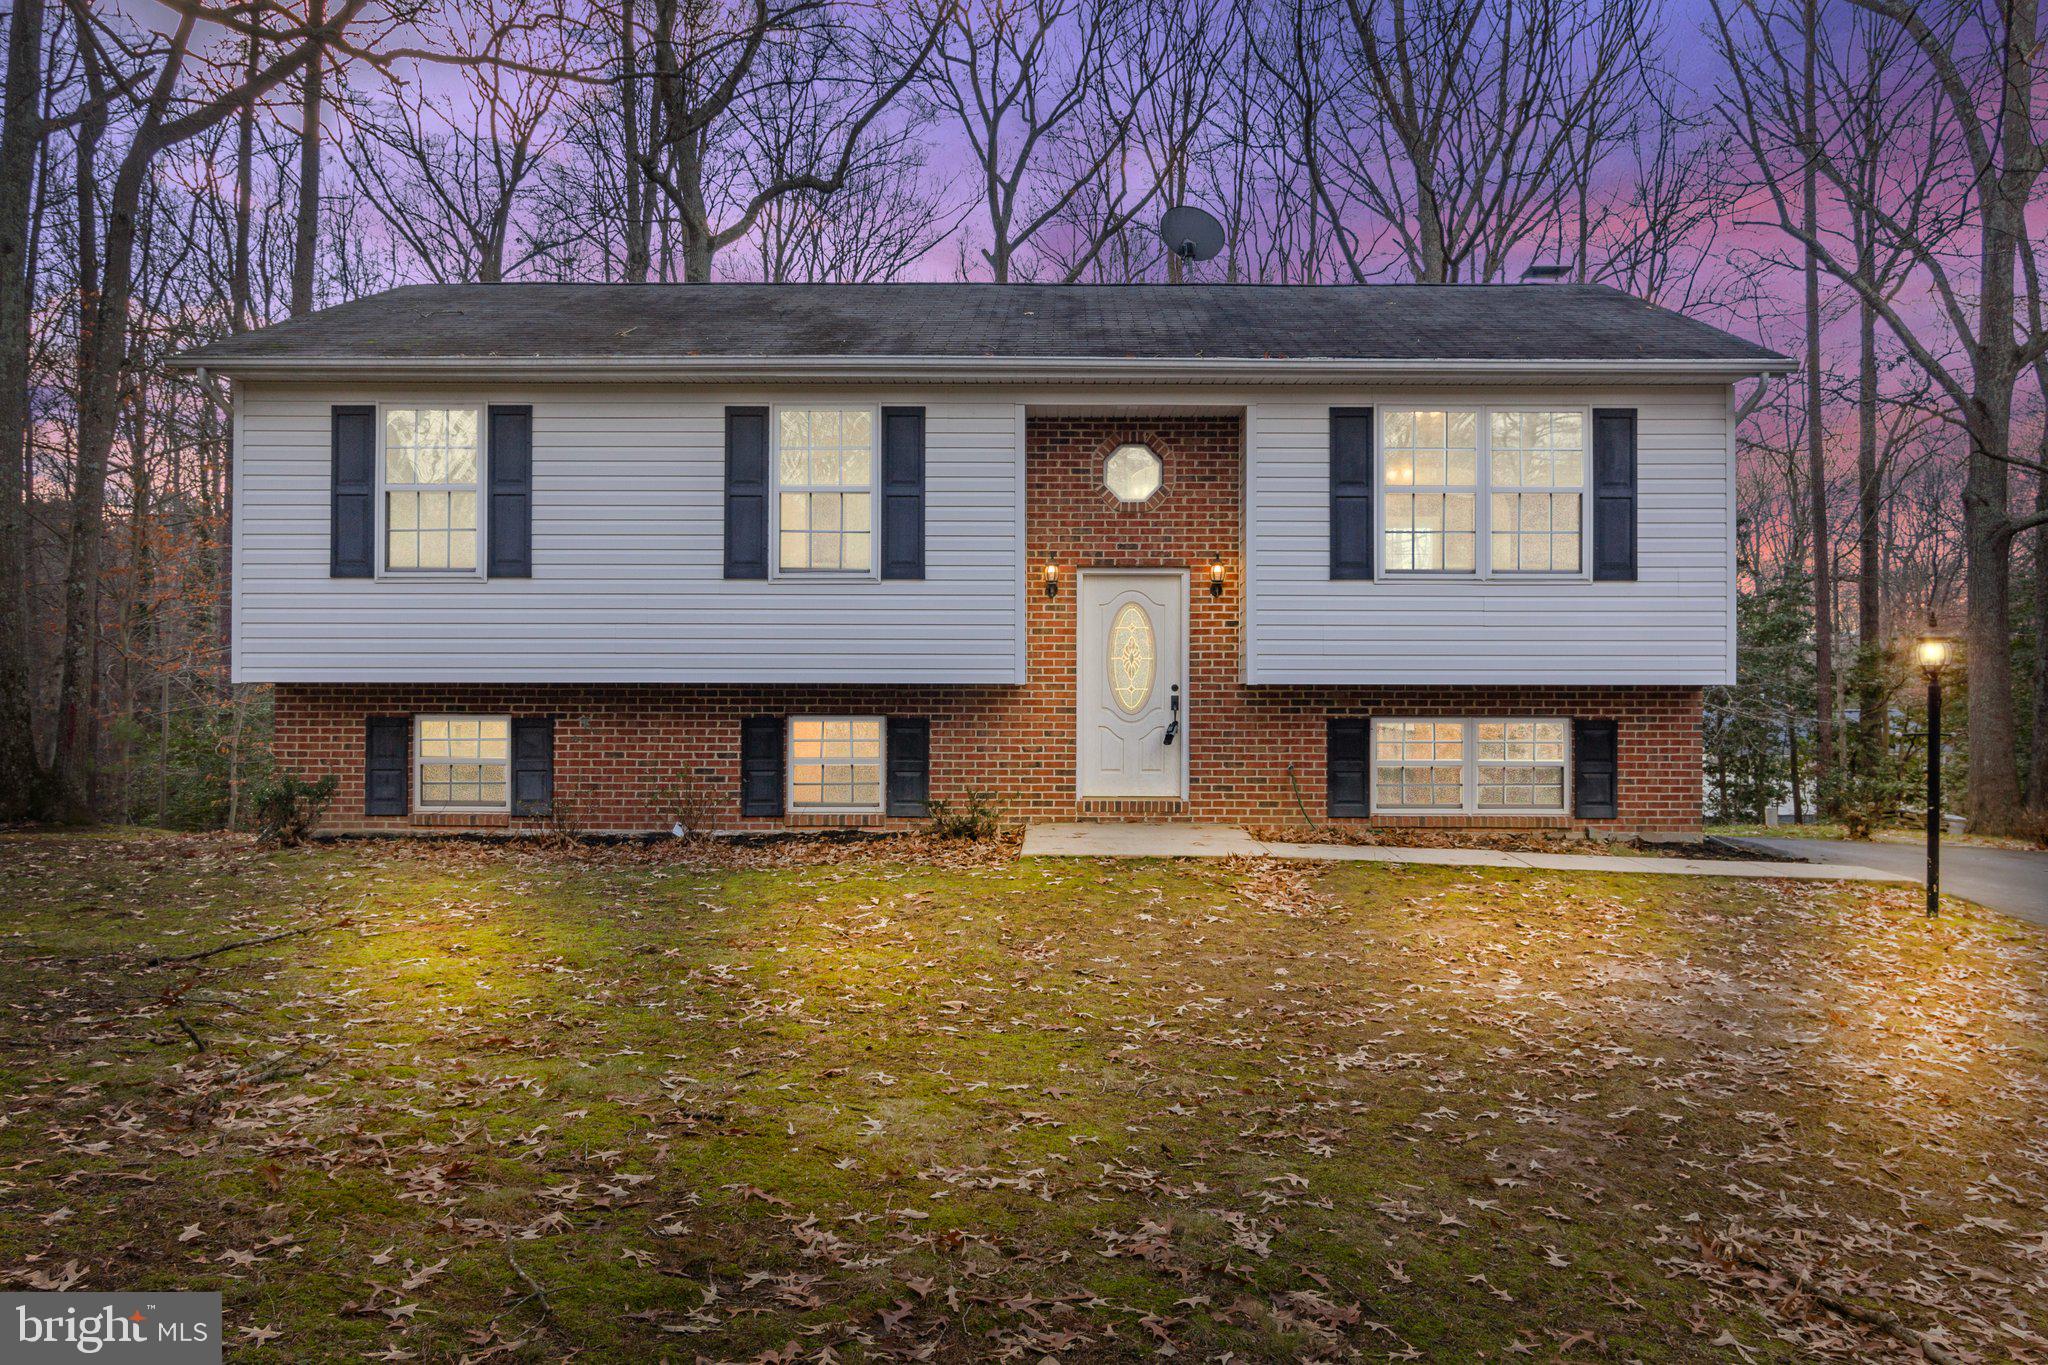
(873, 572)
(1468, 781)
(1482, 511)
(483, 449)
(789, 801)
(419, 761)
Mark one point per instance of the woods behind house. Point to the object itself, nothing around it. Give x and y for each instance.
(1855, 182)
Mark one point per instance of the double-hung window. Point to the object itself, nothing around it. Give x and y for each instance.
(835, 763)
(1432, 474)
(1537, 477)
(1506, 766)
(432, 464)
(825, 491)
(463, 763)
(1487, 492)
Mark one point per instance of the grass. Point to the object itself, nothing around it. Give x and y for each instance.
(919, 1102)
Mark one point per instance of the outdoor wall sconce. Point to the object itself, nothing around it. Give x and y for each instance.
(1052, 579)
(1216, 578)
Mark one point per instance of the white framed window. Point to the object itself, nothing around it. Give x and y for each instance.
(1441, 766)
(1485, 492)
(462, 763)
(835, 763)
(1431, 472)
(825, 464)
(430, 473)
(1536, 463)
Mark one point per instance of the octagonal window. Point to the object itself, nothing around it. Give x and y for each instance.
(1132, 472)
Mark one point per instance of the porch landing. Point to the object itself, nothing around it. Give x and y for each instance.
(1228, 841)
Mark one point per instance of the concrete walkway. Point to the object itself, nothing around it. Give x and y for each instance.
(1228, 841)
(2008, 879)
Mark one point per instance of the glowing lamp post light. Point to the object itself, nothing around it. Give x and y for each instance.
(1932, 654)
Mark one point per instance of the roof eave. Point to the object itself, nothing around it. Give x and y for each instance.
(974, 369)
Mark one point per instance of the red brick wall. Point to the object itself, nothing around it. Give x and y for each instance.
(621, 750)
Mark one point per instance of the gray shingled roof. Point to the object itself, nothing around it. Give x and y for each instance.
(1359, 323)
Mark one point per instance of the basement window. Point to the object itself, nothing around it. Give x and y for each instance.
(1454, 767)
(461, 763)
(835, 763)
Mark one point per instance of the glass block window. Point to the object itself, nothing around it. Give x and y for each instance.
(1521, 765)
(432, 462)
(1537, 469)
(1431, 471)
(824, 480)
(462, 762)
(1419, 764)
(1132, 473)
(835, 763)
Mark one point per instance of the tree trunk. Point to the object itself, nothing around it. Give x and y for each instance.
(1869, 553)
(306, 227)
(240, 298)
(1816, 446)
(1994, 795)
(20, 780)
(2037, 762)
(98, 390)
(639, 256)
(1798, 798)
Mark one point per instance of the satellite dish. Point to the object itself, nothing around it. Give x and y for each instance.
(1190, 233)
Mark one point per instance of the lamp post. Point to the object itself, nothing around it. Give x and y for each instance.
(1932, 652)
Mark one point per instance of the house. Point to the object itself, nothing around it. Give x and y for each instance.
(749, 557)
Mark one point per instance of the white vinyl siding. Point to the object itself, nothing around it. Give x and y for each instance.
(628, 556)
(1673, 625)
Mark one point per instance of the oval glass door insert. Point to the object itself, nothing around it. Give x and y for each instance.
(1133, 657)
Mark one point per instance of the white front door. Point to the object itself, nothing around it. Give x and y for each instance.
(1133, 683)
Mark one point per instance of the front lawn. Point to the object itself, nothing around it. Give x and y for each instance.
(805, 1102)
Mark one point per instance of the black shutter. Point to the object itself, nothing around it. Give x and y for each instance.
(1614, 494)
(1348, 763)
(761, 765)
(1351, 475)
(351, 550)
(902, 492)
(910, 765)
(533, 765)
(387, 765)
(1595, 765)
(746, 493)
(511, 489)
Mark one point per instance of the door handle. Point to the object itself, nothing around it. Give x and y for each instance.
(1173, 702)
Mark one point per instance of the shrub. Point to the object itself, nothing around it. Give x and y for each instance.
(288, 807)
(977, 819)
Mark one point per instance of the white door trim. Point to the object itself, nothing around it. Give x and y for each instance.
(1081, 578)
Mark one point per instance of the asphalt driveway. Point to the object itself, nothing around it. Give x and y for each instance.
(2003, 879)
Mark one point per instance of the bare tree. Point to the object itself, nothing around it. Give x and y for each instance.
(1459, 123)
(20, 135)
(1980, 59)
(168, 111)
(306, 217)
(1046, 93)
(445, 173)
(712, 64)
